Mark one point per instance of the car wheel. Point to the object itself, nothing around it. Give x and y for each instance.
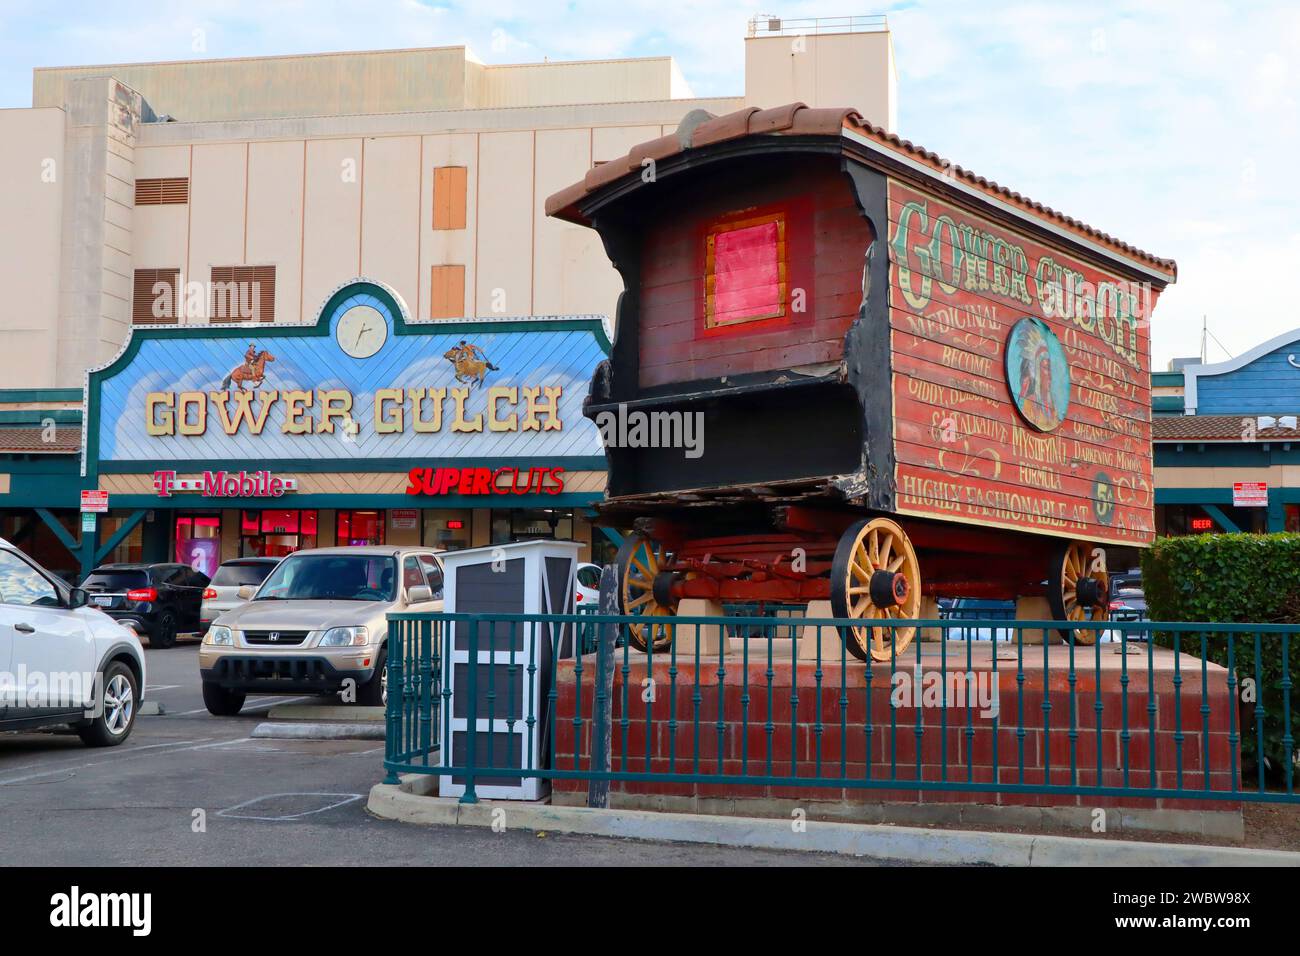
(221, 702)
(116, 716)
(374, 692)
(165, 633)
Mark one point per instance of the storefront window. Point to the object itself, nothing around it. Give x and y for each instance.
(530, 524)
(1292, 518)
(275, 533)
(355, 528)
(603, 551)
(198, 541)
(27, 531)
(447, 529)
(1193, 519)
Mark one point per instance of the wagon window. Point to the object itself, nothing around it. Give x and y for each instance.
(745, 271)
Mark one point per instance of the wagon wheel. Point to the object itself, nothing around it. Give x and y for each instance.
(639, 562)
(875, 576)
(1078, 588)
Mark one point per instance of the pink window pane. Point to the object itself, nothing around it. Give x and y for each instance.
(746, 274)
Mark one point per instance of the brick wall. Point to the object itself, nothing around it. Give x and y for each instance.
(753, 725)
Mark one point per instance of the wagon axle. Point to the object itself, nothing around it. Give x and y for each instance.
(888, 589)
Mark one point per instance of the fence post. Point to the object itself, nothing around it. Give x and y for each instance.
(471, 713)
(602, 729)
(393, 711)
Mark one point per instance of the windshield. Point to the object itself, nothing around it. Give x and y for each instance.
(331, 577)
(234, 575)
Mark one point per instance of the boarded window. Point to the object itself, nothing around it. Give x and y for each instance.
(449, 197)
(155, 297)
(746, 266)
(447, 293)
(162, 192)
(243, 294)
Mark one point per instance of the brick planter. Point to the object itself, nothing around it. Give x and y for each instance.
(780, 732)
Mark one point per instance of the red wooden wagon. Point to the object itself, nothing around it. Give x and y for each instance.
(911, 381)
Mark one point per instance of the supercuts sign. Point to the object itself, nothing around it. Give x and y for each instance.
(361, 383)
(485, 481)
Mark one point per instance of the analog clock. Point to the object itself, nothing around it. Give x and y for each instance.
(361, 331)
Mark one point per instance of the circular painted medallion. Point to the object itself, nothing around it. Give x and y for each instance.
(1038, 374)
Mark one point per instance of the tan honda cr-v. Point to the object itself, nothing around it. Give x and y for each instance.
(317, 624)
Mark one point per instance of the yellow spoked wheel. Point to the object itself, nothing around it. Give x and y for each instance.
(639, 562)
(875, 577)
(1079, 589)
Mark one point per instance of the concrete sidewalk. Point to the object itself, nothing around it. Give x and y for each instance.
(409, 803)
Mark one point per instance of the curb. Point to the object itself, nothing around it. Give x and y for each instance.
(351, 713)
(906, 844)
(318, 731)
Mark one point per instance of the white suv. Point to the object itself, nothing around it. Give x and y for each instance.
(62, 662)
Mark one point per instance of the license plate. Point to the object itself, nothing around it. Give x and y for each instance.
(104, 601)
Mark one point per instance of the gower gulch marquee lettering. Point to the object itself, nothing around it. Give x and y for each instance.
(500, 408)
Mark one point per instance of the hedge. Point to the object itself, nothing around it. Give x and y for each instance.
(1235, 578)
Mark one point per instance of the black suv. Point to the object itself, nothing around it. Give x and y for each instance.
(157, 600)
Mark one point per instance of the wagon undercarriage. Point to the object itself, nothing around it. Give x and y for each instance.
(795, 543)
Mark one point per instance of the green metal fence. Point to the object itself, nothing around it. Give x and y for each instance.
(1189, 712)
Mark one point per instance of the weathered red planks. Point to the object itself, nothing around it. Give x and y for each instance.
(959, 283)
(826, 242)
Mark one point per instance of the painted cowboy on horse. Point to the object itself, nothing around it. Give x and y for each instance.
(471, 363)
(252, 373)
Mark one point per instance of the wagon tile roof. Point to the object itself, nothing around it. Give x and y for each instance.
(29, 440)
(699, 128)
(1178, 428)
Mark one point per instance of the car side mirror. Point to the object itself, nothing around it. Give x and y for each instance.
(420, 594)
(78, 597)
(246, 592)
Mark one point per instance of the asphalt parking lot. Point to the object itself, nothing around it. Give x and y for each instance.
(192, 789)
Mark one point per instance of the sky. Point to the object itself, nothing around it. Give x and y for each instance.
(1171, 125)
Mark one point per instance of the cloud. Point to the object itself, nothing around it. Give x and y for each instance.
(1172, 125)
(1169, 125)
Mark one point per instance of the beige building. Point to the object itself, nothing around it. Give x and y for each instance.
(249, 189)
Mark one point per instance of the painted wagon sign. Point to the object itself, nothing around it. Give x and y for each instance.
(1021, 379)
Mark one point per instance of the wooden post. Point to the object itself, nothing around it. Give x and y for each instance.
(602, 726)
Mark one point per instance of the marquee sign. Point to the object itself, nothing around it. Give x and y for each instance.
(362, 382)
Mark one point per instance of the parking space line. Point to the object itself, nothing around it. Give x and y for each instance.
(221, 743)
(131, 754)
(260, 705)
(346, 799)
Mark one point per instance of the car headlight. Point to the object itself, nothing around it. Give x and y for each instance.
(343, 637)
(219, 635)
